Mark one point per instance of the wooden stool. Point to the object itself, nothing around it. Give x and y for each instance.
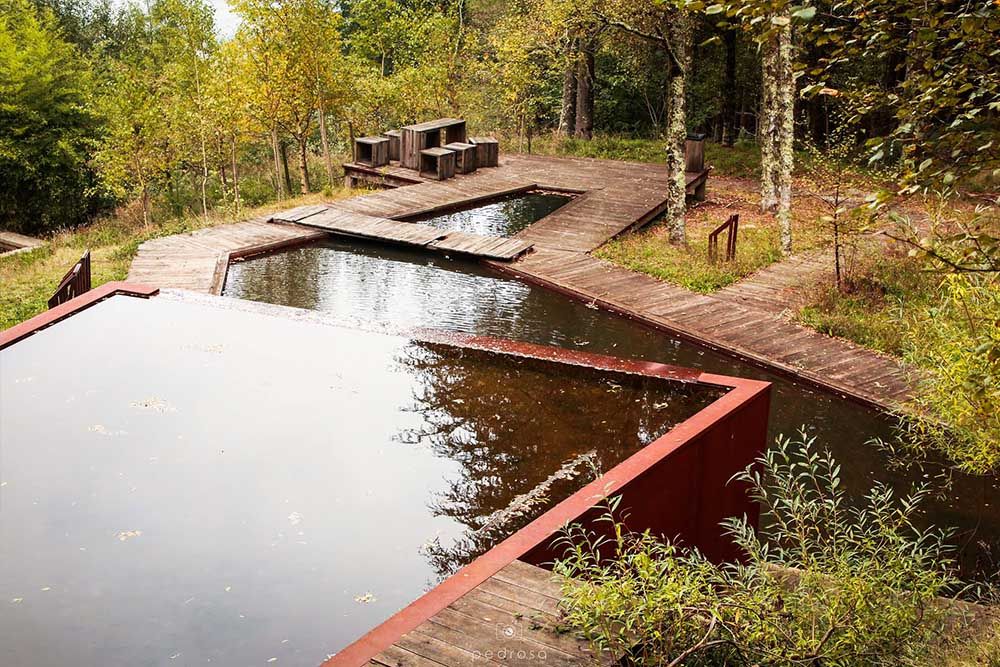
(487, 151)
(394, 137)
(371, 151)
(465, 157)
(437, 163)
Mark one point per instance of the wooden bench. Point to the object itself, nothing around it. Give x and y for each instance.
(465, 157)
(394, 137)
(421, 136)
(437, 163)
(371, 151)
(487, 151)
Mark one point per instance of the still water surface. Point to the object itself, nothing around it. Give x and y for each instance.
(384, 287)
(183, 483)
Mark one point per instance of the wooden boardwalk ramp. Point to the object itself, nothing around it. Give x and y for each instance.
(512, 618)
(346, 222)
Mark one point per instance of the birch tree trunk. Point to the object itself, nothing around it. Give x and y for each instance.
(279, 182)
(236, 178)
(567, 113)
(303, 166)
(324, 138)
(585, 90)
(785, 136)
(284, 167)
(767, 125)
(676, 132)
(777, 136)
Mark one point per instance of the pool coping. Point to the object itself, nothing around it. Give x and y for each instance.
(743, 395)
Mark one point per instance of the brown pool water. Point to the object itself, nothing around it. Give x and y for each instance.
(382, 287)
(504, 217)
(186, 483)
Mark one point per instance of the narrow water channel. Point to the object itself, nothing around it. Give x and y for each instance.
(382, 287)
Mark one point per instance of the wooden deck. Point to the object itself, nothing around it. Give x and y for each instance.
(11, 242)
(743, 320)
(511, 619)
(337, 220)
(614, 196)
(753, 334)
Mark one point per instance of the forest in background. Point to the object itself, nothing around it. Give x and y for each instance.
(144, 105)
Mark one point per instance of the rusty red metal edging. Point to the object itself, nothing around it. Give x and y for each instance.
(541, 530)
(62, 311)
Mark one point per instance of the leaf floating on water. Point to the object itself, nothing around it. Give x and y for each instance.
(128, 534)
(99, 428)
(16, 600)
(367, 598)
(272, 660)
(153, 404)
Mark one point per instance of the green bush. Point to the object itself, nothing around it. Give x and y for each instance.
(827, 581)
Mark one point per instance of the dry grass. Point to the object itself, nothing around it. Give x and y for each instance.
(649, 251)
(30, 278)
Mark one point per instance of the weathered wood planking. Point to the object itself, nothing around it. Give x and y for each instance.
(753, 334)
(521, 597)
(197, 261)
(350, 223)
(742, 320)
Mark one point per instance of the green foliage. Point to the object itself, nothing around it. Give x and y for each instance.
(958, 341)
(828, 580)
(939, 83)
(47, 124)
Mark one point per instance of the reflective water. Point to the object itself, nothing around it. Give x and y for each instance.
(378, 286)
(190, 484)
(501, 218)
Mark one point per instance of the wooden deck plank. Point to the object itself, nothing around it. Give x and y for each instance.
(520, 596)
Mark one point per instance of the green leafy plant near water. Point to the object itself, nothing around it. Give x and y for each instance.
(827, 581)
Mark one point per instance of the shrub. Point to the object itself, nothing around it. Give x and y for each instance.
(826, 581)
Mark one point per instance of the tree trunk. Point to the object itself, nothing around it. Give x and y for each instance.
(585, 90)
(303, 166)
(327, 158)
(284, 167)
(676, 133)
(785, 136)
(279, 182)
(236, 179)
(567, 113)
(767, 125)
(729, 91)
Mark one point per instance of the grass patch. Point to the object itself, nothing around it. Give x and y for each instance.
(740, 161)
(30, 278)
(885, 288)
(649, 251)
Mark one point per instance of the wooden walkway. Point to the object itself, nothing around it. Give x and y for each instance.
(743, 320)
(753, 334)
(510, 619)
(778, 288)
(343, 222)
(198, 260)
(11, 242)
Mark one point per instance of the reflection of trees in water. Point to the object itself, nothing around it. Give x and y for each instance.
(511, 423)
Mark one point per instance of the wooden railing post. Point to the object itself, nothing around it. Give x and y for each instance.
(731, 227)
(74, 283)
